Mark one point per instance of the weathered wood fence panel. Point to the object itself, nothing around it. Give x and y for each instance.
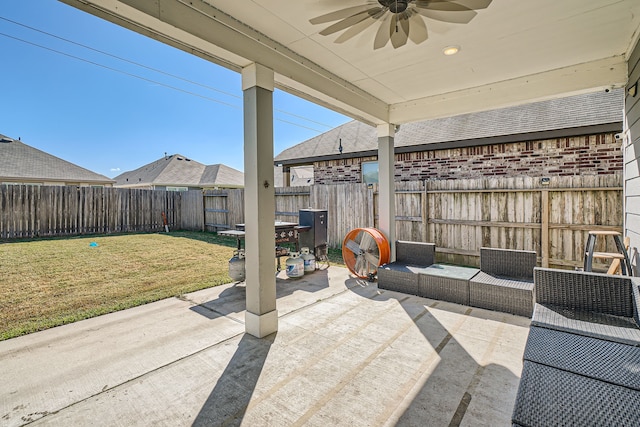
(47, 211)
(552, 219)
(460, 216)
(348, 206)
(223, 209)
(289, 200)
(193, 214)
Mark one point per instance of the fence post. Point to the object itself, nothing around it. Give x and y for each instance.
(544, 244)
(425, 213)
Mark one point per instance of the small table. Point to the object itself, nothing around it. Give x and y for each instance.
(446, 282)
(589, 254)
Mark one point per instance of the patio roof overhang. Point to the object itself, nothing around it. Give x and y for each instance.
(511, 53)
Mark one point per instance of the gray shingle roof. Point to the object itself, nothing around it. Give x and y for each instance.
(179, 170)
(579, 111)
(221, 175)
(19, 161)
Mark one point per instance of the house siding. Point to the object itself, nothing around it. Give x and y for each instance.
(581, 155)
(632, 161)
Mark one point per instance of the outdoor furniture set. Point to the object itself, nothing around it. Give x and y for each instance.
(504, 281)
(581, 365)
(582, 357)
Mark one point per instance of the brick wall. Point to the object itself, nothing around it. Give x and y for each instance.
(337, 171)
(582, 155)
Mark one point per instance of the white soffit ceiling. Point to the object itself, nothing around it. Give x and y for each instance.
(512, 52)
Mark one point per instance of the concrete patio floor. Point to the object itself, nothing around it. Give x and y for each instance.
(346, 354)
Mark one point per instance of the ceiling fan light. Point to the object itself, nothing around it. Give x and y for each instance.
(451, 50)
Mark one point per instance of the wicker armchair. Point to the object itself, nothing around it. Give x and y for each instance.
(505, 281)
(591, 304)
(583, 351)
(402, 274)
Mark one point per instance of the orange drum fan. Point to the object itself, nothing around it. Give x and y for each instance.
(364, 250)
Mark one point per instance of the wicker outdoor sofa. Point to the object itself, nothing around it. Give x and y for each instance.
(505, 281)
(582, 357)
(402, 274)
(414, 272)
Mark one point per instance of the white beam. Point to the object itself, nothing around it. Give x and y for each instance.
(386, 186)
(261, 318)
(597, 75)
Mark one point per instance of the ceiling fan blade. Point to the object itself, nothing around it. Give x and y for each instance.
(339, 14)
(444, 6)
(347, 22)
(475, 4)
(463, 17)
(382, 35)
(471, 4)
(359, 27)
(418, 31)
(399, 31)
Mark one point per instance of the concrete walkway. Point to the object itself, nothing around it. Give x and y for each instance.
(346, 354)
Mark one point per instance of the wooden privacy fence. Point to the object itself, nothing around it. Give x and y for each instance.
(460, 216)
(348, 206)
(225, 208)
(551, 218)
(28, 211)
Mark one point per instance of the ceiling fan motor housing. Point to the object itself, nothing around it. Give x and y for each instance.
(395, 6)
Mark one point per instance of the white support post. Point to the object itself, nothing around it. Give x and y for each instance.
(386, 196)
(261, 317)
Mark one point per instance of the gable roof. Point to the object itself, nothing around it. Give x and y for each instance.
(571, 116)
(179, 170)
(220, 174)
(21, 162)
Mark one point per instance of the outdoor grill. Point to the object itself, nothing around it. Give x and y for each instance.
(285, 232)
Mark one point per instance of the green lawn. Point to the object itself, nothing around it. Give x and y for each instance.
(51, 282)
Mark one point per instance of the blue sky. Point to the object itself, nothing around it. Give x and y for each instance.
(118, 116)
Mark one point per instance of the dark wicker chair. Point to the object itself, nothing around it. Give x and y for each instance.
(505, 281)
(402, 274)
(583, 352)
(591, 304)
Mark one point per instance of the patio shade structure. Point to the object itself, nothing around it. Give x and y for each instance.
(510, 53)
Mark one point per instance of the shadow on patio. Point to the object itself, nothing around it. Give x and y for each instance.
(368, 357)
(233, 299)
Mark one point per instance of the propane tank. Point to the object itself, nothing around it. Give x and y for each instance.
(308, 259)
(236, 266)
(295, 266)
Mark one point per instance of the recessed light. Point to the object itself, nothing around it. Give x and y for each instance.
(451, 50)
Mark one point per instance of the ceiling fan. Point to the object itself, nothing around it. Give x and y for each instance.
(400, 20)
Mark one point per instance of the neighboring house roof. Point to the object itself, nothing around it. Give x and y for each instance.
(570, 116)
(298, 176)
(20, 162)
(179, 170)
(301, 175)
(221, 175)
